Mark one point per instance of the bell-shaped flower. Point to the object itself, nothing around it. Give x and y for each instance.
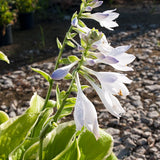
(85, 113)
(105, 19)
(93, 4)
(110, 102)
(60, 73)
(119, 55)
(113, 82)
(123, 58)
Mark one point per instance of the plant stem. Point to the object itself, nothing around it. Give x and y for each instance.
(56, 116)
(40, 148)
(48, 93)
(43, 133)
(61, 50)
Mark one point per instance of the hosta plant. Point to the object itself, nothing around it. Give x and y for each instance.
(38, 133)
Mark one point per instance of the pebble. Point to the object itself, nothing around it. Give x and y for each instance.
(113, 131)
(153, 114)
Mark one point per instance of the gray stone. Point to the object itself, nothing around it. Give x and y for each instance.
(129, 143)
(113, 131)
(142, 142)
(153, 88)
(153, 114)
(12, 114)
(156, 123)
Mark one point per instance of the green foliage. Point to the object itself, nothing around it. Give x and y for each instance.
(73, 58)
(19, 133)
(44, 74)
(59, 45)
(3, 57)
(90, 148)
(55, 142)
(63, 144)
(3, 117)
(69, 43)
(6, 16)
(26, 6)
(69, 104)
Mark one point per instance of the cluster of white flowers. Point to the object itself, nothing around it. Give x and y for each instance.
(98, 51)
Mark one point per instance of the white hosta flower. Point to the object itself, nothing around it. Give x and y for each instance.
(123, 58)
(112, 82)
(105, 19)
(110, 102)
(118, 53)
(60, 73)
(85, 113)
(93, 4)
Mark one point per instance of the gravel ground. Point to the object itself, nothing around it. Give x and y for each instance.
(137, 133)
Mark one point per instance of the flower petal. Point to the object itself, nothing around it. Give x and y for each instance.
(60, 73)
(85, 113)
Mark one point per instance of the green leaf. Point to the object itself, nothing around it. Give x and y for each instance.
(93, 149)
(3, 117)
(68, 76)
(111, 157)
(83, 43)
(68, 107)
(71, 35)
(36, 104)
(64, 61)
(73, 58)
(3, 57)
(44, 74)
(18, 153)
(70, 153)
(55, 142)
(40, 123)
(51, 104)
(69, 43)
(59, 44)
(74, 15)
(81, 23)
(14, 131)
(74, 87)
(58, 99)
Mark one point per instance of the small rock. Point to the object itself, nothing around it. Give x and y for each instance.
(142, 142)
(153, 88)
(153, 114)
(12, 114)
(113, 131)
(129, 143)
